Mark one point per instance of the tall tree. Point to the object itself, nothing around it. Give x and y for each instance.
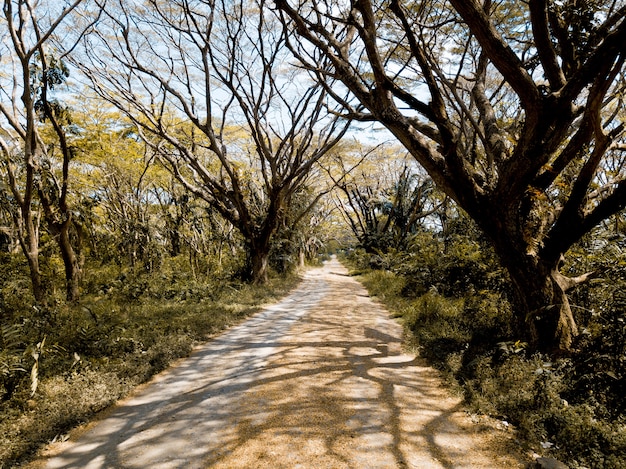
(35, 180)
(53, 182)
(384, 198)
(515, 109)
(210, 86)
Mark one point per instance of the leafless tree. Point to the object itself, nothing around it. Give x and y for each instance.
(211, 89)
(515, 109)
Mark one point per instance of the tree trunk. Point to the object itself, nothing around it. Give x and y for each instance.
(28, 236)
(259, 239)
(32, 256)
(70, 262)
(543, 308)
(259, 262)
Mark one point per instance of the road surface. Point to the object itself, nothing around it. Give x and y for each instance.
(318, 380)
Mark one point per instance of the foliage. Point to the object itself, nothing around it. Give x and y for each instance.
(455, 303)
(129, 325)
(12, 364)
(383, 196)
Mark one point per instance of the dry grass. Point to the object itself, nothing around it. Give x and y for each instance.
(97, 352)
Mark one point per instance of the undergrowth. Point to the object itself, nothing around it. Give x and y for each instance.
(458, 316)
(61, 366)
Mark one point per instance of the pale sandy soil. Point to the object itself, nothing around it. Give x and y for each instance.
(318, 380)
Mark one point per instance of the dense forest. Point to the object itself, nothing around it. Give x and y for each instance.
(168, 167)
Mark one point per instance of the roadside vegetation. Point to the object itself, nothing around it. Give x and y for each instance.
(59, 367)
(165, 169)
(455, 304)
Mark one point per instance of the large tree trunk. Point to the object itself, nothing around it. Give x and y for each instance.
(543, 310)
(257, 259)
(259, 240)
(257, 263)
(260, 266)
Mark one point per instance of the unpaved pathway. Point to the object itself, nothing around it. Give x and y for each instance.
(318, 380)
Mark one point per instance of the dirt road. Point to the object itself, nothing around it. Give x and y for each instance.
(318, 380)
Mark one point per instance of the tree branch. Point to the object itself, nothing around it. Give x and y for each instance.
(500, 54)
(545, 49)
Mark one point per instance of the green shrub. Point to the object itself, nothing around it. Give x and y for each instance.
(454, 302)
(61, 402)
(13, 366)
(599, 367)
(128, 326)
(384, 284)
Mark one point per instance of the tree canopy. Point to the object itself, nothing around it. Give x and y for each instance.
(514, 109)
(211, 89)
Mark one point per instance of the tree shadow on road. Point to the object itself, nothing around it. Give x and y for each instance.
(317, 380)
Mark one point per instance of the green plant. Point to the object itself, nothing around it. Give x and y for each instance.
(454, 302)
(599, 367)
(12, 366)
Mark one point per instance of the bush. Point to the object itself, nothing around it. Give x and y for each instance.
(454, 302)
(129, 325)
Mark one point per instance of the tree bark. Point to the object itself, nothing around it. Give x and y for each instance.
(31, 251)
(543, 309)
(257, 265)
(28, 236)
(260, 262)
(71, 262)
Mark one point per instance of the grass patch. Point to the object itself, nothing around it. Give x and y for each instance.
(96, 352)
(569, 408)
